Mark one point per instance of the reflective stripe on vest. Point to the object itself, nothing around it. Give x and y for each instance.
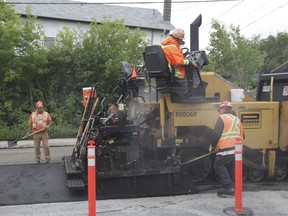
(231, 131)
(179, 71)
(44, 118)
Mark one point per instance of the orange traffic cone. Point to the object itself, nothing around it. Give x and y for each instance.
(134, 73)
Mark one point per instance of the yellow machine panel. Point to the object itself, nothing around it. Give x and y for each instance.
(283, 135)
(260, 119)
(216, 83)
(260, 122)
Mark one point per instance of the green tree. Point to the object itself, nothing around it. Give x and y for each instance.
(276, 48)
(29, 71)
(234, 56)
(22, 59)
(80, 59)
(64, 87)
(9, 23)
(105, 46)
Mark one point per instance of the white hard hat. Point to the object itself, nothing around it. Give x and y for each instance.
(178, 33)
(225, 104)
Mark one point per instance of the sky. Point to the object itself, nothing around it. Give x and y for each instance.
(254, 17)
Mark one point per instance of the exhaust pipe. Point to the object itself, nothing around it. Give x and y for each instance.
(194, 33)
(167, 10)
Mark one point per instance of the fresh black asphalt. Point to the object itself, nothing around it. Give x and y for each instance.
(36, 183)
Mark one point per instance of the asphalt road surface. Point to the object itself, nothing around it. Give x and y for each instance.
(25, 182)
(41, 190)
(35, 183)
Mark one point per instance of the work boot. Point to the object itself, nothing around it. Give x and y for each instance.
(226, 192)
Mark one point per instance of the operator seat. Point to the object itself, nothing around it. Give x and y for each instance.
(157, 66)
(156, 62)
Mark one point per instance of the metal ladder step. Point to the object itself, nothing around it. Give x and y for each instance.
(70, 169)
(76, 184)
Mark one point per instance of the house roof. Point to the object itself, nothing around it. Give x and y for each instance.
(282, 68)
(84, 12)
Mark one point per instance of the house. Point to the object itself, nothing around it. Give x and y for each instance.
(53, 15)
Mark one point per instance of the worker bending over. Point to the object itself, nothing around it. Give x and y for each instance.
(227, 128)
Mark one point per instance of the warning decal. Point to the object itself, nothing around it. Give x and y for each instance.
(251, 119)
(285, 90)
(266, 89)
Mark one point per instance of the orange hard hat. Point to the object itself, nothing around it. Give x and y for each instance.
(39, 105)
(178, 33)
(225, 104)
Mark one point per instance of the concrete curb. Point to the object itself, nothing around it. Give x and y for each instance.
(29, 143)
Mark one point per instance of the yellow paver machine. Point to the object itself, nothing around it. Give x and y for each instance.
(155, 140)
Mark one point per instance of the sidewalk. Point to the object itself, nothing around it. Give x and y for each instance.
(263, 203)
(28, 143)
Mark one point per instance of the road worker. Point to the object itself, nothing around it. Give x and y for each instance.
(40, 120)
(181, 67)
(227, 128)
(112, 118)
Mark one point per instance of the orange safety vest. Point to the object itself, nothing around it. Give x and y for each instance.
(36, 124)
(233, 128)
(174, 56)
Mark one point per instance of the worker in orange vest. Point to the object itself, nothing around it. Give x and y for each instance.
(182, 67)
(227, 128)
(112, 118)
(40, 120)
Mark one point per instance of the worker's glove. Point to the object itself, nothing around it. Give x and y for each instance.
(191, 62)
(210, 148)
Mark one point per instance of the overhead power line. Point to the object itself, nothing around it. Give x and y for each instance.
(265, 15)
(254, 11)
(240, 1)
(118, 3)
